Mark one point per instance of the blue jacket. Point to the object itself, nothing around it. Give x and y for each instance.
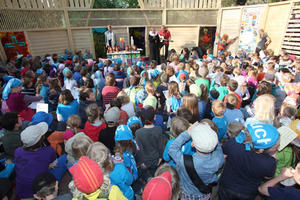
(66, 110)
(130, 164)
(206, 165)
(44, 92)
(186, 149)
(122, 178)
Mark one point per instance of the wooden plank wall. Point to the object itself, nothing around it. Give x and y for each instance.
(230, 24)
(44, 42)
(82, 39)
(182, 39)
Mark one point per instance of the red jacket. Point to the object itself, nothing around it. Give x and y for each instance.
(93, 131)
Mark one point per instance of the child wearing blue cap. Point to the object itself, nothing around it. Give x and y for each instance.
(125, 146)
(248, 163)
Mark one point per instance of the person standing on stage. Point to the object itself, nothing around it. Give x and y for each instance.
(154, 45)
(165, 37)
(264, 41)
(110, 37)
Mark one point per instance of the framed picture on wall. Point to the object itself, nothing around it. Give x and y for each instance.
(14, 43)
(207, 38)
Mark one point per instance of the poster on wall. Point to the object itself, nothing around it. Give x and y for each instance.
(207, 38)
(14, 43)
(249, 29)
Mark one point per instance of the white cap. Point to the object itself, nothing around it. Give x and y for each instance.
(204, 138)
(32, 134)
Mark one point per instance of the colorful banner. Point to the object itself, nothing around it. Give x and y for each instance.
(249, 29)
(14, 43)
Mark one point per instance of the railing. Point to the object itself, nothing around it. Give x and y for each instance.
(45, 4)
(180, 3)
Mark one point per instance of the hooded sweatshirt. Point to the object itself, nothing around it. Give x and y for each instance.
(93, 130)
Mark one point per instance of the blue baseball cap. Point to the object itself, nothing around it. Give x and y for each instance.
(263, 136)
(154, 73)
(42, 117)
(123, 132)
(134, 120)
(139, 63)
(39, 71)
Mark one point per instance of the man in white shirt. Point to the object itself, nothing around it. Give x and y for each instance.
(110, 37)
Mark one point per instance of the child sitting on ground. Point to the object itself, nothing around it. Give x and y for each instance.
(45, 186)
(218, 108)
(232, 113)
(124, 145)
(178, 125)
(270, 189)
(12, 129)
(67, 106)
(151, 99)
(238, 178)
(150, 141)
(205, 163)
(94, 124)
(107, 135)
(33, 159)
(99, 152)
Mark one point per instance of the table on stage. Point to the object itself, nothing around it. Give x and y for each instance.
(128, 57)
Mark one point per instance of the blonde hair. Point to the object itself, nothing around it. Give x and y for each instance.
(74, 123)
(218, 108)
(80, 146)
(264, 107)
(99, 153)
(150, 87)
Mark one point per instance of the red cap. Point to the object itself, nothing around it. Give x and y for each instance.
(159, 188)
(182, 76)
(87, 175)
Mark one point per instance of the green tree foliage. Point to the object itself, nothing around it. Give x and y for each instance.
(116, 4)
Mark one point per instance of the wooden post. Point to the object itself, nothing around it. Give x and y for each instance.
(28, 42)
(69, 32)
(141, 3)
(93, 44)
(218, 30)
(3, 56)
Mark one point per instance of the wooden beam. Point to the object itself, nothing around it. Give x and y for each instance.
(69, 32)
(92, 3)
(141, 3)
(22, 4)
(3, 56)
(93, 43)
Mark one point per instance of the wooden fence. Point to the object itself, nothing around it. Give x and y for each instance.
(46, 4)
(180, 3)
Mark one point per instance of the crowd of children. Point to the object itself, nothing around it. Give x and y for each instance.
(224, 127)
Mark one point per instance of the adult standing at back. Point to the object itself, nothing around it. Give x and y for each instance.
(110, 37)
(165, 37)
(264, 41)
